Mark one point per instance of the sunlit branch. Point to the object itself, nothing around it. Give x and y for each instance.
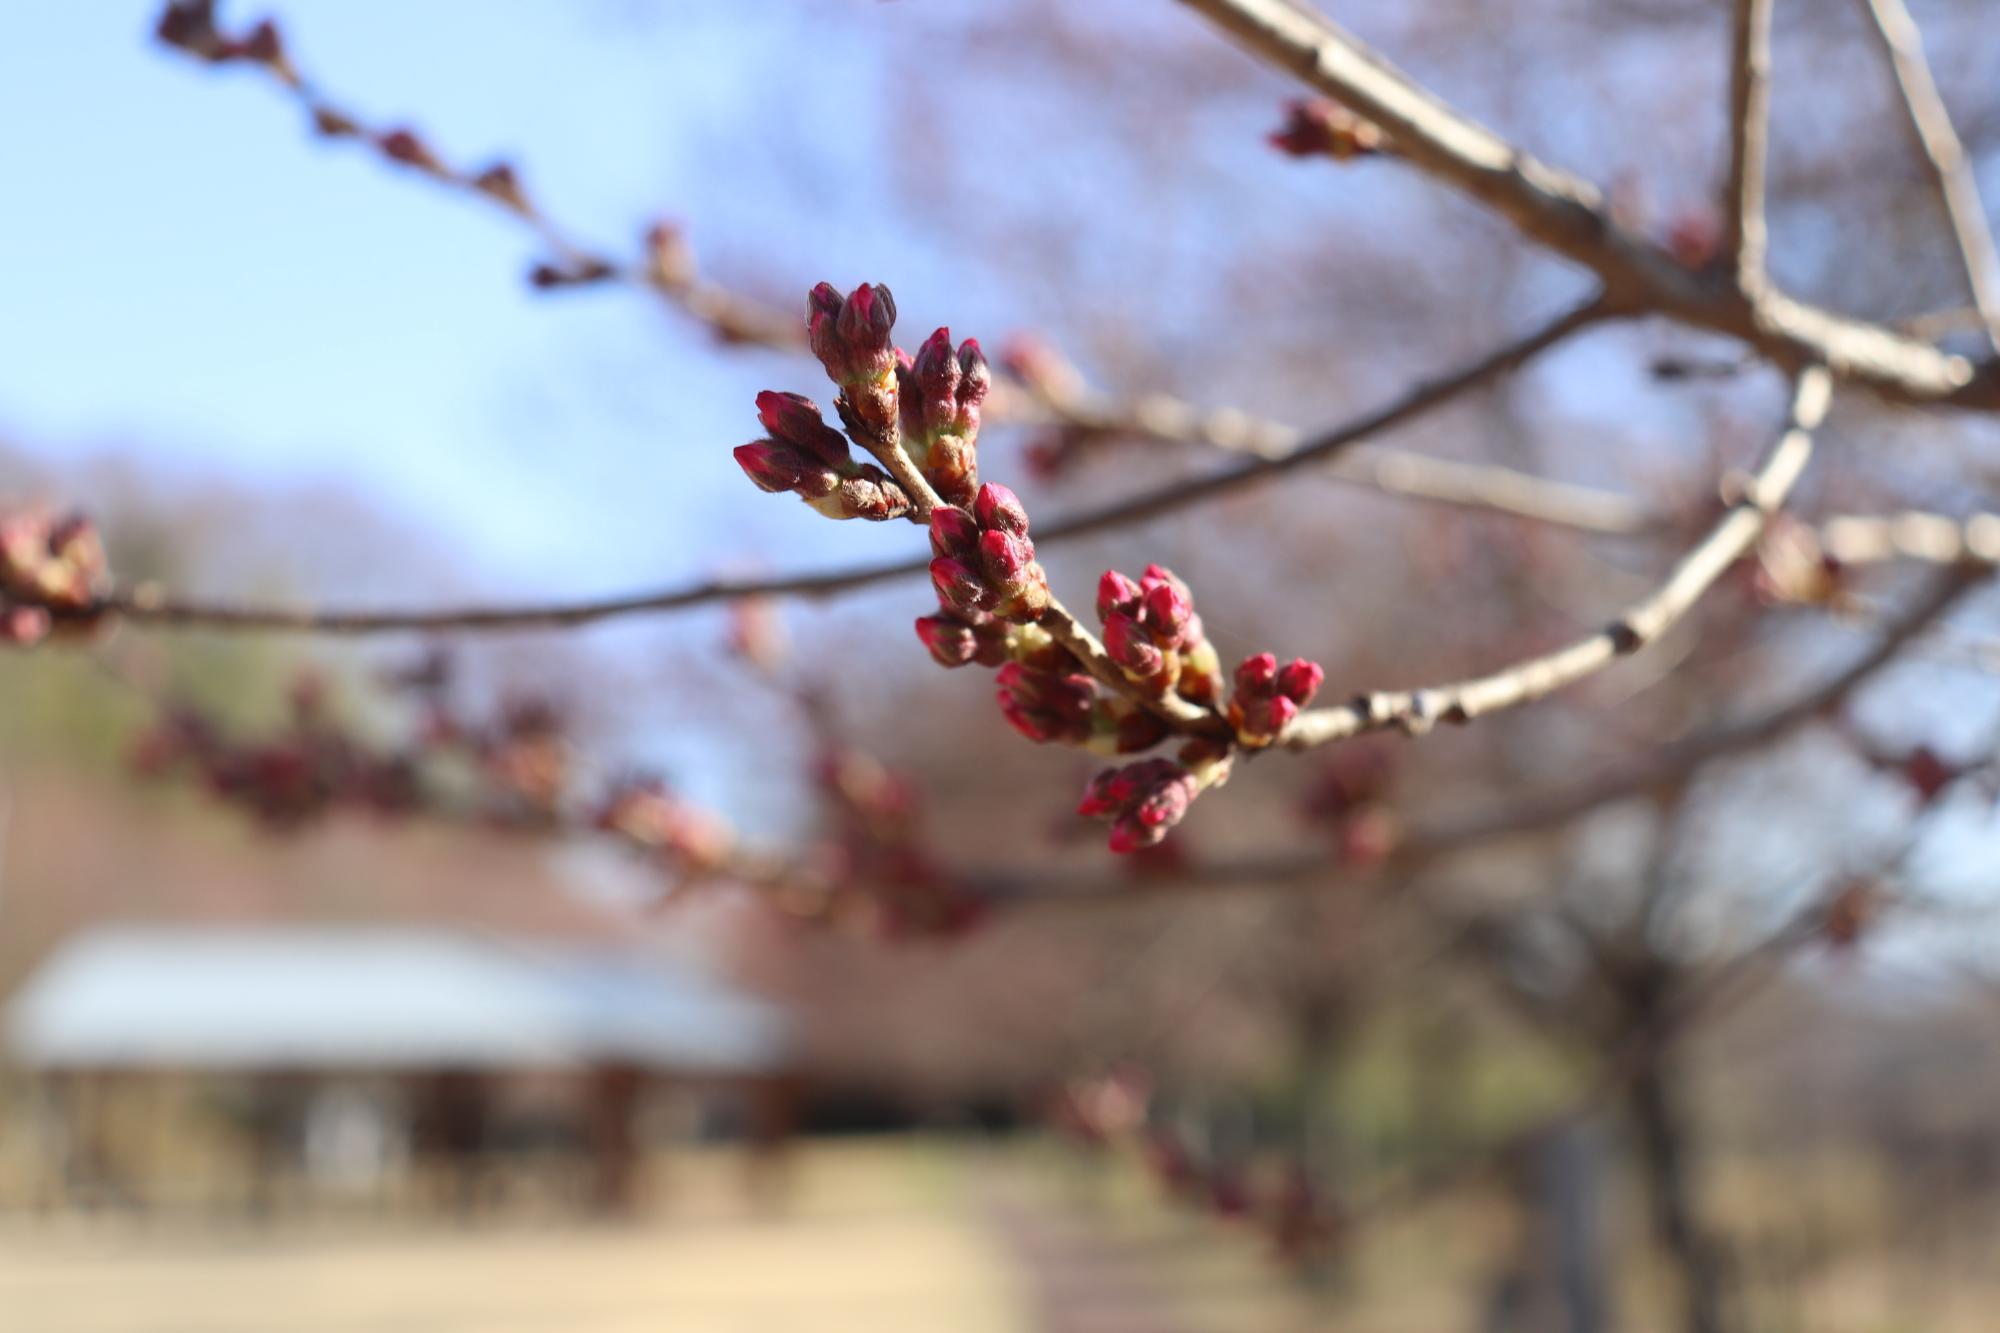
(1930, 123)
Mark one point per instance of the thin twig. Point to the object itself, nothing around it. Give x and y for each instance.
(1567, 215)
(1639, 625)
(1744, 230)
(1425, 838)
(1930, 123)
(148, 605)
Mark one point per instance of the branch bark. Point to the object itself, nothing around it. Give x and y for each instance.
(1566, 215)
(1639, 625)
(1744, 231)
(1930, 125)
(149, 605)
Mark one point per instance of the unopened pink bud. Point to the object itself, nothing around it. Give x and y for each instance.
(951, 642)
(954, 533)
(772, 466)
(1130, 646)
(960, 585)
(998, 507)
(1168, 611)
(794, 419)
(1006, 559)
(1300, 680)
(1256, 674)
(1115, 592)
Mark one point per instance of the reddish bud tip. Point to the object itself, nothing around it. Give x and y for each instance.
(998, 507)
(772, 466)
(951, 642)
(1115, 592)
(1300, 680)
(794, 419)
(959, 585)
(954, 533)
(1256, 674)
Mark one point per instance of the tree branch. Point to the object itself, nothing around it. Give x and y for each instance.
(148, 605)
(1642, 623)
(1930, 124)
(1744, 232)
(1566, 214)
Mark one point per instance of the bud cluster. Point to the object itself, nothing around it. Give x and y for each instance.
(806, 456)
(1143, 801)
(1349, 799)
(50, 569)
(1045, 694)
(984, 561)
(850, 336)
(939, 393)
(1152, 632)
(1267, 696)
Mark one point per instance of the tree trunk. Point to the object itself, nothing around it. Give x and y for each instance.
(1664, 1151)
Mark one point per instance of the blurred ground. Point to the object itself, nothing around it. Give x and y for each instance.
(889, 1236)
(876, 1237)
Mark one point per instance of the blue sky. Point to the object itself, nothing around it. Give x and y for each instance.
(193, 279)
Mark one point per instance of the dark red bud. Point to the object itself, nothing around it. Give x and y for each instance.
(954, 533)
(998, 507)
(960, 585)
(1115, 592)
(1167, 611)
(951, 642)
(794, 419)
(1131, 646)
(774, 467)
(1256, 674)
(1300, 680)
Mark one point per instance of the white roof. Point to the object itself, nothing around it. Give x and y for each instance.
(374, 998)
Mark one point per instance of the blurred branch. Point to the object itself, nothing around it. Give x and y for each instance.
(1673, 762)
(1398, 472)
(1744, 231)
(1568, 215)
(150, 606)
(667, 270)
(1641, 624)
(1930, 124)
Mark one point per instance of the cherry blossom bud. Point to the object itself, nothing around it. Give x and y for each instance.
(1267, 698)
(1115, 592)
(954, 533)
(1168, 612)
(1131, 646)
(929, 396)
(1300, 680)
(950, 641)
(1006, 559)
(960, 586)
(998, 507)
(1143, 801)
(1316, 127)
(774, 467)
(1256, 674)
(851, 337)
(500, 183)
(795, 420)
(1046, 706)
(408, 148)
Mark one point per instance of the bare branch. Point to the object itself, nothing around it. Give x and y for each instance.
(1424, 838)
(150, 606)
(1744, 232)
(1639, 625)
(1930, 124)
(1567, 215)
